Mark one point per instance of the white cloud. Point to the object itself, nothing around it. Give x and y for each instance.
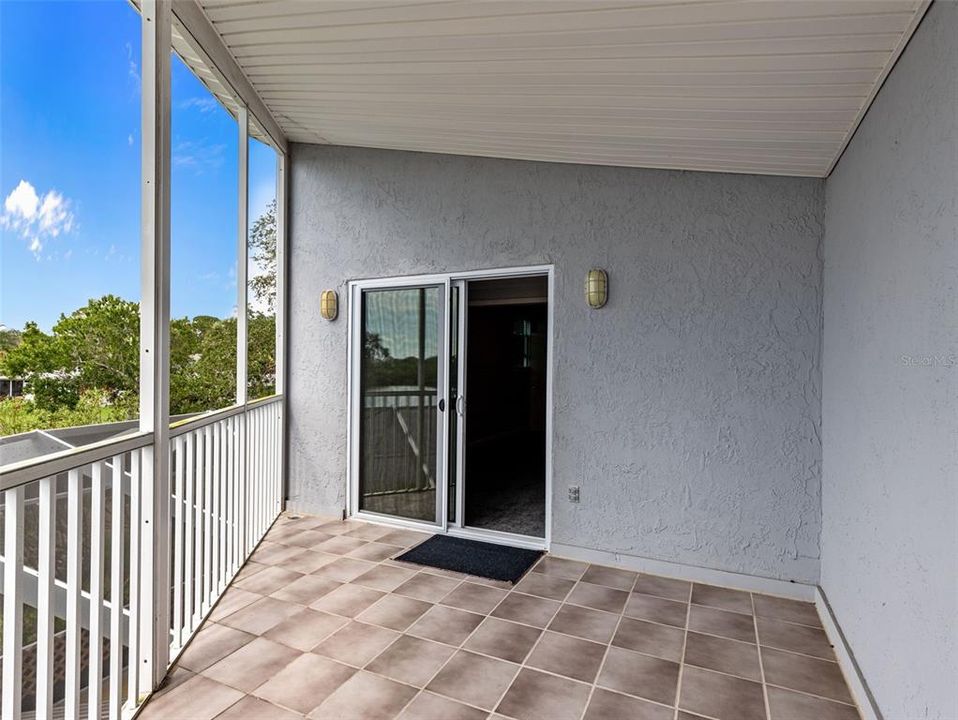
(198, 155)
(129, 139)
(35, 218)
(55, 215)
(22, 202)
(203, 104)
(131, 68)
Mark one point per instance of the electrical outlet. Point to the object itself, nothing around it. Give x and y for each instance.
(574, 493)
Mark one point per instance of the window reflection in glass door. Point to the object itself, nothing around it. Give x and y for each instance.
(399, 402)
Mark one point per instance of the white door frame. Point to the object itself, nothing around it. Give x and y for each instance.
(354, 319)
(355, 290)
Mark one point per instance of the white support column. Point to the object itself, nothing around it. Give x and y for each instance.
(155, 340)
(242, 255)
(241, 477)
(282, 183)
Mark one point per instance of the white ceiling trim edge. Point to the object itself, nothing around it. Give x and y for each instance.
(194, 20)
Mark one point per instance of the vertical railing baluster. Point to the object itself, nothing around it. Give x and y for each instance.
(251, 477)
(189, 567)
(177, 521)
(208, 519)
(71, 698)
(216, 511)
(238, 493)
(95, 661)
(240, 479)
(247, 484)
(118, 500)
(263, 455)
(267, 466)
(227, 490)
(13, 603)
(225, 495)
(260, 493)
(268, 469)
(234, 497)
(231, 494)
(46, 575)
(271, 470)
(227, 519)
(198, 544)
(280, 491)
(133, 631)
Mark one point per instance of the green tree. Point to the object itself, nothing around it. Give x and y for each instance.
(93, 348)
(39, 359)
(261, 362)
(262, 241)
(9, 339)
(86, 370)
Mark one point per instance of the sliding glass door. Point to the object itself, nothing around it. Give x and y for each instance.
(419, 452)
(400, 401)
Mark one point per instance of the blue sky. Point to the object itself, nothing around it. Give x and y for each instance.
(69, 168)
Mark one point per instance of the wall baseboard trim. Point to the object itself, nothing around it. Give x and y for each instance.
(846, 659)
(724, 578)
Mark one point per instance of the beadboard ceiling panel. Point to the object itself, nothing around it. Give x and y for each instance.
(754, 86)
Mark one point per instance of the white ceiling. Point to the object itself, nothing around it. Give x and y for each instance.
(758, 86)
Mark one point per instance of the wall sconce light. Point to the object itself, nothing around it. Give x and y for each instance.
(596, 288)
(329, 305)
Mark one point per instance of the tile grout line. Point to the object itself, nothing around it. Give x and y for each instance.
(456, 651)
(651, 622)
(608, 646)
(523, 664)
(542, 632)
(685, 642)
(761, 662)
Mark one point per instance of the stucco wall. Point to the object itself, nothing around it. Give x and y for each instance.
(890, 406)
(688, 409)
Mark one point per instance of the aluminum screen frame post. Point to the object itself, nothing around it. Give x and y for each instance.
(154, 575)
(282, 185)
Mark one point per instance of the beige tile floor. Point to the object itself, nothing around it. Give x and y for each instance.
(322, 623)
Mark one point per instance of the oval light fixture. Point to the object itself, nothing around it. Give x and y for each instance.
(329, 305)
(596, 288)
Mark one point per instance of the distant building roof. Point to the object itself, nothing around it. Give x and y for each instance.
(36, 443)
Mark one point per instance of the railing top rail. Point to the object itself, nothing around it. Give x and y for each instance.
(372, 392)
(195, 423)
(184, 426)
(25, 471)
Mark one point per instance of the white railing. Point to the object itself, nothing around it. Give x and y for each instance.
(226, 490)
(73, 555)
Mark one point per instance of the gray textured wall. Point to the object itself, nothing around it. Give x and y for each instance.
(890, 505)
(688, 409)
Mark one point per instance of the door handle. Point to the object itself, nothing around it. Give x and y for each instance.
(461, 405)
(442, 404)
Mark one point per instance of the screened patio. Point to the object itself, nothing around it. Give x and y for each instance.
(703, 557)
